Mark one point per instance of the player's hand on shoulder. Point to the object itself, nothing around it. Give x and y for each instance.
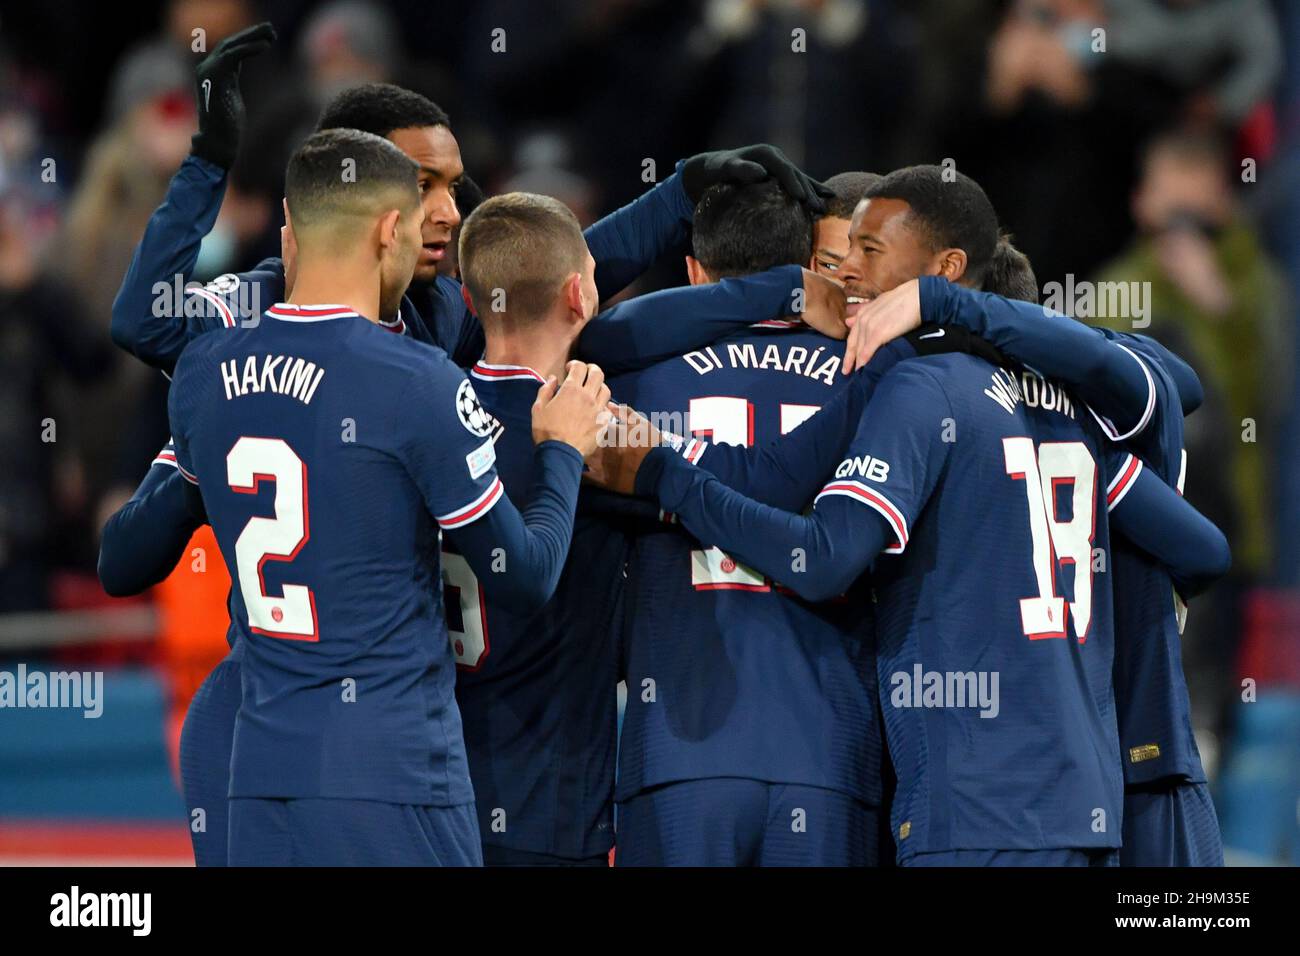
(574, 411)
(882, 320)
(621, 450)
(824, 305)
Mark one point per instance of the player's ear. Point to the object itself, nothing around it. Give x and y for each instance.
(695, 272)
(469, 301)
(388, 224)
(572, 292)
(952, 264)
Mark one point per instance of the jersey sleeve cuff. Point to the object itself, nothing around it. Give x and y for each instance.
(1123, 481)
(893, 515)
(218, 303)
(475, 509)
(692, 449)
(166, 457)
(1112, 432)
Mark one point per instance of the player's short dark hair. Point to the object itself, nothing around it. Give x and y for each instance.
(380, 108)
(1010, 273)
(339, 173)
(740, 230)
(951, 212)
(523, 244)
(849, 189)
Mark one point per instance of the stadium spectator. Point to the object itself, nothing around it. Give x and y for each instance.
(47, 345)
(1226, 54)
(1214, 296)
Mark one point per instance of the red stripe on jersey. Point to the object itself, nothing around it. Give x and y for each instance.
(287, 311)
(475, 508)
(876, 501)
(227, 317)
(1120, 486)
(499, 372)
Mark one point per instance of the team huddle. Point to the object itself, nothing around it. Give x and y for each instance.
(889, 559)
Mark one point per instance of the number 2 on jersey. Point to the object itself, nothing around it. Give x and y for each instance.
(1067, 542)
(251, 461)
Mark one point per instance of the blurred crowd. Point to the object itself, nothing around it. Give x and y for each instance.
(1147, 141)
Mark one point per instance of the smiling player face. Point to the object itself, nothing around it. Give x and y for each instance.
(884, 250)
(436, 151)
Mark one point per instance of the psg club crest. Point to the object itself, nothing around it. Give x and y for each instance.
(471, 413)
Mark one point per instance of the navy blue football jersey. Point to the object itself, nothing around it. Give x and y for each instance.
(727, 674)
(537, 692)
(324, 448)
(1155, 722)
(994, 635)
(624, 244)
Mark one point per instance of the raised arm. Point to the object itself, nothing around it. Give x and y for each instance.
(630, 240)
(150, 317)
(148, 314)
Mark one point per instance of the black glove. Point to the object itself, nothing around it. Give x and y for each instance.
(469, 196)
(931, 339)
(221, 105)
(752, 164)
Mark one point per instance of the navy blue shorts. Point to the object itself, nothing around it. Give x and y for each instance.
(732, 821)
(1100, 856)
(1171, 824)
(206, 738)
(322, 832)
(508, 856)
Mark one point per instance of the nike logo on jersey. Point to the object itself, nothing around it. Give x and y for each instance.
(207, 92)
(932, 335)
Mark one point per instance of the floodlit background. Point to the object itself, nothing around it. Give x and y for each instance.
(1171, 158)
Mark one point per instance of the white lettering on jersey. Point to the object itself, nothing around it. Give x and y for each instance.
(871, 468)
(1032, 389)
(775, 357)
(298, 378)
